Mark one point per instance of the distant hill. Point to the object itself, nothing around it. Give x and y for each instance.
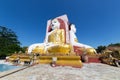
(115, 46)
(112, 47)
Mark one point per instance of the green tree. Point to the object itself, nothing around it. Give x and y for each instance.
(24, 49)
(100, 49)
(8, 42)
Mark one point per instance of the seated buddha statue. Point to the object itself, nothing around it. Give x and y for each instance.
(57, 37)
(79, 48)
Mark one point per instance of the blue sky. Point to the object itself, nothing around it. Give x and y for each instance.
(97, 21)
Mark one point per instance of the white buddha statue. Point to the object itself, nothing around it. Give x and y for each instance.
(79, 47)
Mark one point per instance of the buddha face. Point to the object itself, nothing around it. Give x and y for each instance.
(55, 24)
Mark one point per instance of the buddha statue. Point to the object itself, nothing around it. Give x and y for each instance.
(79, 48)
(60, 39)
(56, 35)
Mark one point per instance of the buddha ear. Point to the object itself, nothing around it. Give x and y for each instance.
(48, 26)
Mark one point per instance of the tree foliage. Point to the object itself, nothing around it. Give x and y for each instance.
(8, 42)
(100, 49)
(24, 49)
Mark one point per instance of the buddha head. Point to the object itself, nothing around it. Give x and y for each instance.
(57, 23)
(60, 22)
